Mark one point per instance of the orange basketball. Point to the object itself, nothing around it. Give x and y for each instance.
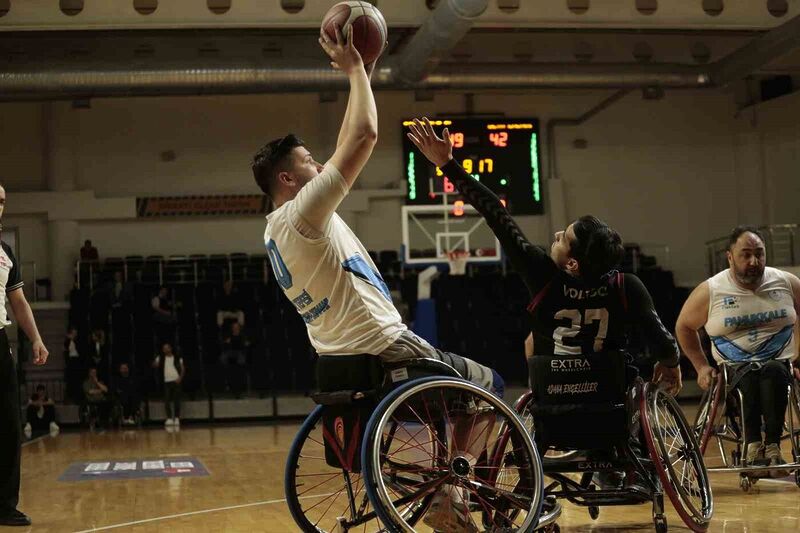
(366, 23)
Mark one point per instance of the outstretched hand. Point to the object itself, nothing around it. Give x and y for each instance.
(342, 52)
(439, 151)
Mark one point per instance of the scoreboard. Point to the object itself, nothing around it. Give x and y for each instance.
(501, 153)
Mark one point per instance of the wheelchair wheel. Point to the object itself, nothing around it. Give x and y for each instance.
(676, 456)
(707, 414)
(318, 494)
(406, 459)
(523, 408)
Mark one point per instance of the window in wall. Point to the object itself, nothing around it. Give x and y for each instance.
(777, 8)
(293, 6)
(579, 7)
(646, 7)
(219, 7)
(71, 7)
(145, 7)
(508, 6)
(713, 7)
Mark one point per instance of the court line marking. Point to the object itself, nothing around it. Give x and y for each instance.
(37, 439)
(202, 511)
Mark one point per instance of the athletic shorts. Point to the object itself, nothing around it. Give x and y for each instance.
(410, 346)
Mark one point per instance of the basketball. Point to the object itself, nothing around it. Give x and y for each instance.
(365, 21)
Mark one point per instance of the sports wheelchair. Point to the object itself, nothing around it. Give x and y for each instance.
(384, 438)
(593, 416)
(720, 418)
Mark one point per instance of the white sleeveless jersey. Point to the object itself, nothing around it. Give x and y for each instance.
(331, 280)
(747, 326)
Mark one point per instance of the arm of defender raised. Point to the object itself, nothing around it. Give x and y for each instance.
(531, 262)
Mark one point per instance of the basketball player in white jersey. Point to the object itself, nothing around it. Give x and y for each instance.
(750, 313)
(317, 260)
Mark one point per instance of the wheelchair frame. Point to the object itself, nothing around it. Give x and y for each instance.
(373, 483)
(654, 471)
(714, 421)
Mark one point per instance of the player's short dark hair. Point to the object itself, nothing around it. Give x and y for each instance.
(738, 231)
(597, 248)
(272, 159)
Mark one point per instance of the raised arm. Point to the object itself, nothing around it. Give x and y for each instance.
(532, 262)
(694, 316)
(347, 114)
(319, 198)
(359, 131)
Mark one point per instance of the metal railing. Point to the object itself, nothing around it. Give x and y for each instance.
(175, 270)
(781, 243)
(658, 250)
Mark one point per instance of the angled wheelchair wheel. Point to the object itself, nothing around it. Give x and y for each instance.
(676, 457)
(707, 414)
(319, 496)
(523, 407)
(425, 439)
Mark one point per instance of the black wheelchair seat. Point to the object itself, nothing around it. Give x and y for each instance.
(580, 400)
(350, 388)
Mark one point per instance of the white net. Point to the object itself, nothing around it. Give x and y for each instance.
(458, 262)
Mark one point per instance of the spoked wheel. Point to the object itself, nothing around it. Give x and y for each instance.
(793, 415)
(676, 457)
(707, 415)
(318, 494)
(421, 463)
(523, 408)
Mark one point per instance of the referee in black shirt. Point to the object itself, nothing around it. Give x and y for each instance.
(10, 423)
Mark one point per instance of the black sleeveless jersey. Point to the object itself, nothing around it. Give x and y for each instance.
(568, 316)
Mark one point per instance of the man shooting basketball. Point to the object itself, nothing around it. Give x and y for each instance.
(318, 261)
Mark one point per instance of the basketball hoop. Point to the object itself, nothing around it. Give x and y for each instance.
(457, 259)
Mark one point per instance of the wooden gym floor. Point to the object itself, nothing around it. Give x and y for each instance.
(244, 491)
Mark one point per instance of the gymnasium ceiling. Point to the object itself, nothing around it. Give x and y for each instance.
(148, 35)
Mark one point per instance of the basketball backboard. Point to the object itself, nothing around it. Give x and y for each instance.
(431, 231)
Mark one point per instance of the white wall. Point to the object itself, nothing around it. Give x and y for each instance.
(677, 172)
(21, 146)
(775, 131)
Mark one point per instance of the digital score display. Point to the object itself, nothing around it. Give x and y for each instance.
(501, 153)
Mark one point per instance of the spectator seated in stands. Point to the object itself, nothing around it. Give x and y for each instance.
(73, 366)
(229, 308)
(234, 359)
(97, 398)
(41, 413)
(127, 394)
(163, 318)
(121, 292)
(89, 252)
(98, 354)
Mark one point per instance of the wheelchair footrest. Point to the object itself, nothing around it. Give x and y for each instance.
(786, 467)
(601, 498)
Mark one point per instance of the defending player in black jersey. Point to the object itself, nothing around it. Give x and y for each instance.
(580, 304)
